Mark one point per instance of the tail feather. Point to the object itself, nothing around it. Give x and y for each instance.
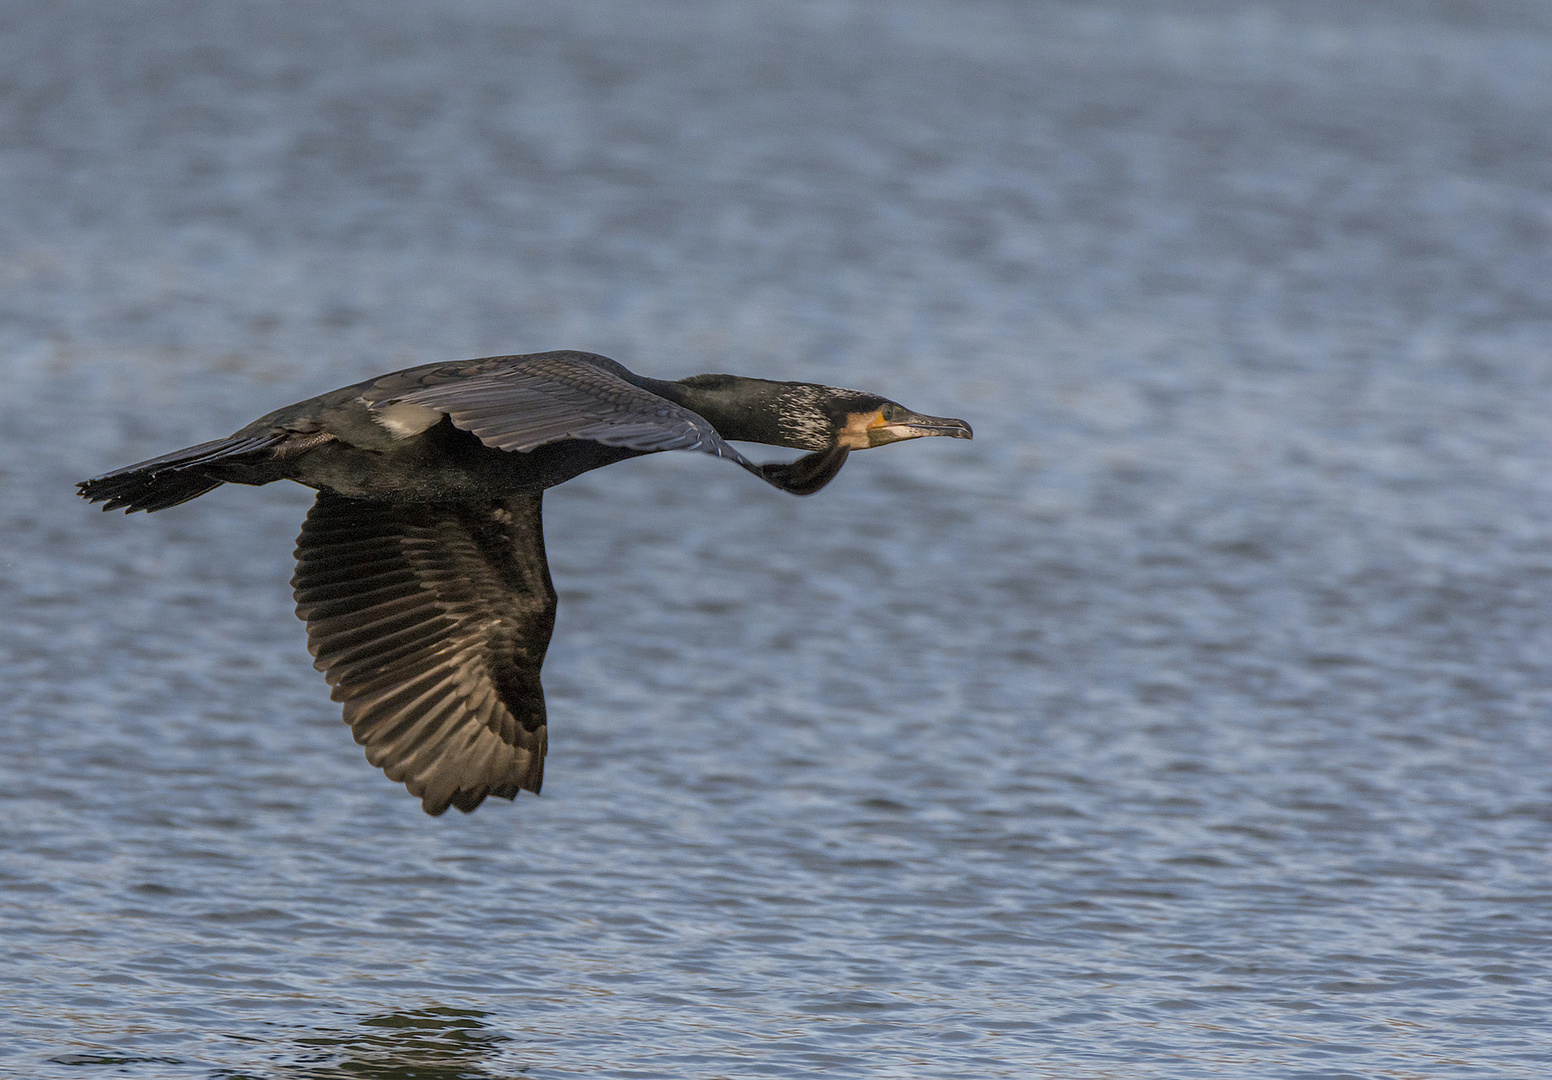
(173, 478)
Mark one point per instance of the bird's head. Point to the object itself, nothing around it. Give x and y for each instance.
(830, 423)
(826, 421)
(825, 417)
(874, 421)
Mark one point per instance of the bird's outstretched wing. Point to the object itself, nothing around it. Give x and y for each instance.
(524, 402)
(431, 623)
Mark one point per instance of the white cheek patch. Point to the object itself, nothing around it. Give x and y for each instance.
(403, 419)
(854, 436)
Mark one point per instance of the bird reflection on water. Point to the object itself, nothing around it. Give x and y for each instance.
(435, 1043)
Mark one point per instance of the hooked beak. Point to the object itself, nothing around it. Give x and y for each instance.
(909, 425)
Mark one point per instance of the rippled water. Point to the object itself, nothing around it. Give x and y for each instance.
(1191, 722)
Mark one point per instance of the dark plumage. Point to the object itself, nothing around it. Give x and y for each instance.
(420, 569)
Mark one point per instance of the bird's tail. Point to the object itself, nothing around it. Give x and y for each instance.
(179, 476)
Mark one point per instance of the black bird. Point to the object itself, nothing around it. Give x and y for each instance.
(420, 568)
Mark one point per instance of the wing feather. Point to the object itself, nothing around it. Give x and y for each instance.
(431, 623)
(520, 403)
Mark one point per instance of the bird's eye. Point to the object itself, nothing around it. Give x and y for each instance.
(887, 412)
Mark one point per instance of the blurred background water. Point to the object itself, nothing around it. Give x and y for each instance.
(1191, 722)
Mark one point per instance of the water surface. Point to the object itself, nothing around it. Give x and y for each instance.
(1190, 722)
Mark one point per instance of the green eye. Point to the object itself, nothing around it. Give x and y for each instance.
(887, 412)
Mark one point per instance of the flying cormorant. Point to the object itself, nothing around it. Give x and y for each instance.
(420, 568)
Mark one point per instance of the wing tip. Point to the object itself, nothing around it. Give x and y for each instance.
(807, 474)
(465, 800)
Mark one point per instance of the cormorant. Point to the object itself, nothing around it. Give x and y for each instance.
(420, 568)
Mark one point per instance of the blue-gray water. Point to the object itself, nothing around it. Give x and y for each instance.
(1191, 722)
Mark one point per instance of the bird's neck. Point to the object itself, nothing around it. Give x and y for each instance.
(752, 410)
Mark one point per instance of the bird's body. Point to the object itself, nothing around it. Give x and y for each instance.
(421, 571)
